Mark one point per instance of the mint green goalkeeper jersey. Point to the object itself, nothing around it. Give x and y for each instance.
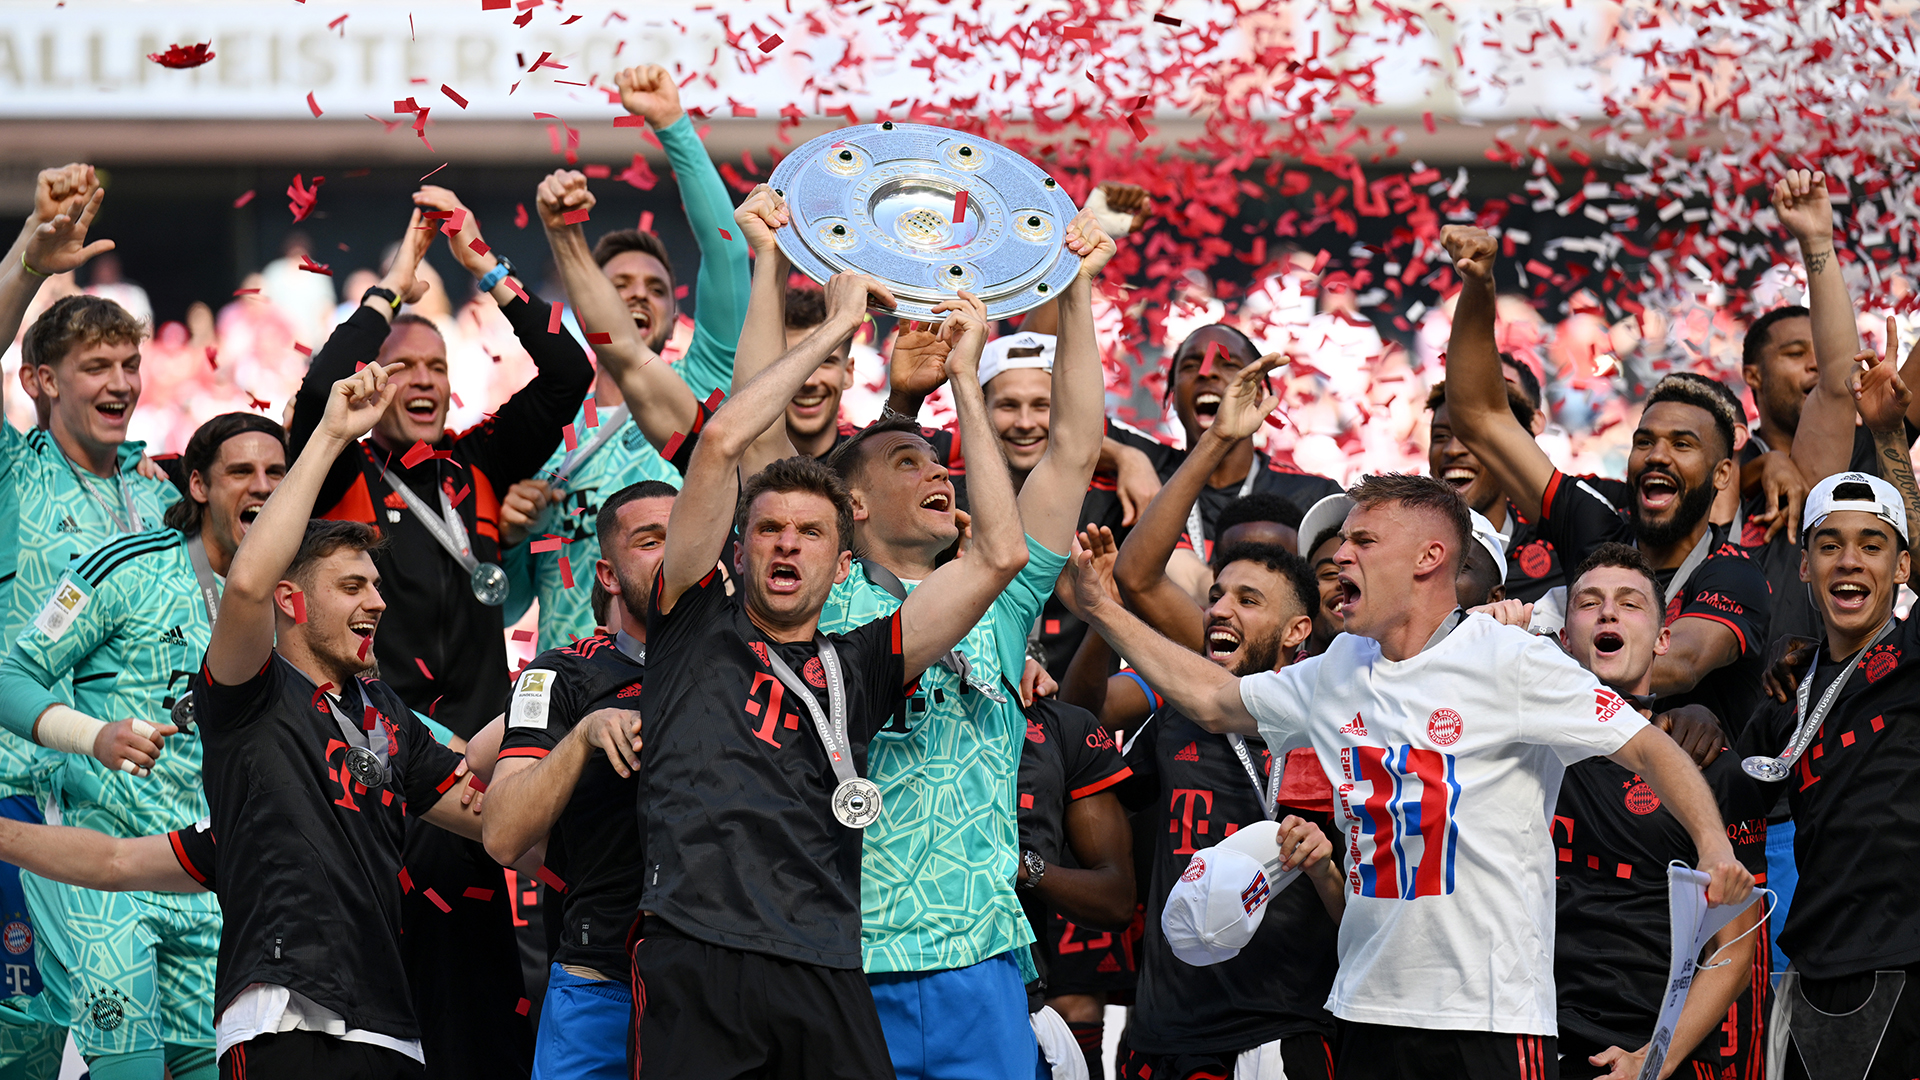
(936, 876)
(53, 512)
(566, 608)
(127, 624)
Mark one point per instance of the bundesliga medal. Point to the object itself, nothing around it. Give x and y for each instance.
(856, 802)
(182, 712)
(929, 211)
(364, 766)
(490, 584)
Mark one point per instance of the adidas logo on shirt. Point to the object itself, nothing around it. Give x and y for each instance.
(630, 691)
(68, 525)
(1355, 726)
(174, 636)
(1191, 753)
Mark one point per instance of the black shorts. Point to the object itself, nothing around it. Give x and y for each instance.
(1576, 1054)
(295, 1055)
(1083, 961)
(1305, 1057)
(703, 1012)
(1899, 1052)
(1379, 1052)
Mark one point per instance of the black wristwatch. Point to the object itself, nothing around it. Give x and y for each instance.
(1036, 868)
(392, 298)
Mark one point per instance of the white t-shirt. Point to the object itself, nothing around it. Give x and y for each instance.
(1446, 767)
(266, 1009)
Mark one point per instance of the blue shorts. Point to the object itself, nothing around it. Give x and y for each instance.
(583, 1029)
(965, 1024)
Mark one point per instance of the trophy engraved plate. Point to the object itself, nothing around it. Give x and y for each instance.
(882, 199)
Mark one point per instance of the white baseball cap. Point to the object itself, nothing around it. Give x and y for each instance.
(1885, 504)
(1329, 513)
(1489, 537)
(1216, 906)
(1022, 350)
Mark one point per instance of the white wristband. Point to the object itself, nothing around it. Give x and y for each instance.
(67, 730)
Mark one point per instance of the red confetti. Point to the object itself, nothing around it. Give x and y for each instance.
(453, 97)
(553, 318)
(566, 573)
(213, 354)
(416, 454)
(183, 56)
(301, 198)
(552, 879)
(770, 44)
(525, 1006)
(442, 165)
(550, 543)
(460, 496)
(311, 267)
(1206, 362)
(593, 414)
(1166, 19)
(629, 121)
(673, 446)
(339, 24)
(299, 606)
(514, 288)
(479, 246)
(566, 433)
(600, 339)
(365, 644)
(725, 235)
(312, 104)
(959, 206)
(646, 222)
(244, 199)
(519, 215)
(475, 892)
(422, 665)
(308, 352)
(406, 881)
(523, 635)
(474, 782)
(576, 217)
(445, 908)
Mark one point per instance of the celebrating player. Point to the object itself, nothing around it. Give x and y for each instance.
(310, 769)
(747, 955)
(128, 623)
(566, 775)
(1446, 737)
(1612, 940)
(1715, 600)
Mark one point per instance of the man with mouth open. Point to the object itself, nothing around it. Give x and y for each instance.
(622, 290)
(1614, 839)
(747, 956)
(434, 494)
(128, 623)
(1851, 789)
(1533, 566)
(310, 770)
(1445, 738)
(1715, 599)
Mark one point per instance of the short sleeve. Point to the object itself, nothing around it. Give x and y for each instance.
(219, 706)
(429, 768)
(1576, 518)
(873, 650)
(193, 850)
(1730, 590)
(537, 713)
(1093, 763)
(703, 601)
(1281, 702)
(1561, 705)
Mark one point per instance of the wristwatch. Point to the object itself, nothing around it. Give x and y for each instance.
(496, 275)
(1036, 868)
(392, 298)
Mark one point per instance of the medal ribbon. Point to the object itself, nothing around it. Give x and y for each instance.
(1194, 533)
(132, 524)
(609, 425)
(1809, 723)
(1269, 793)
(831, 729)
(203, 574)
(445, 526)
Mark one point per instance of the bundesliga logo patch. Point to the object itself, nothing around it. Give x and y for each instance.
(1254, 894)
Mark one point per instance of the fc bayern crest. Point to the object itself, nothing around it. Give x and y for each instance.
(17, 936)
(1443, 727)
(1194, 869)
(815, 675)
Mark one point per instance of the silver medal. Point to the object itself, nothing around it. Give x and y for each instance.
(856, 802)
(490, 584)
(364, 766)
(182, 712)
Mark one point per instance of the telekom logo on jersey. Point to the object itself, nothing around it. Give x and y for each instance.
(1399, 802)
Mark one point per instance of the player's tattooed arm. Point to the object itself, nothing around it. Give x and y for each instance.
(1883, 399)
(1822, 442)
